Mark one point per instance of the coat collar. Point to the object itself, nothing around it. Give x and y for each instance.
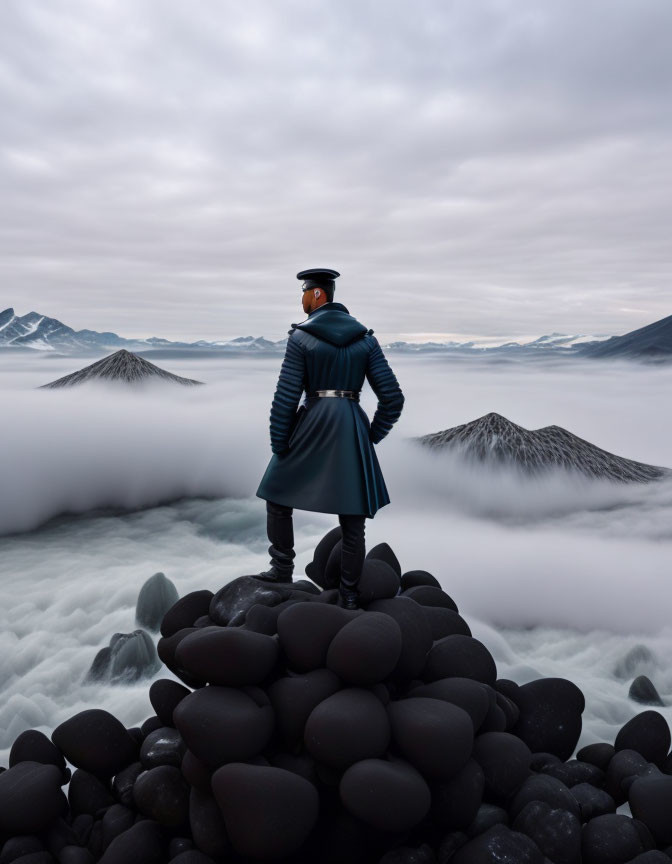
(327, 307)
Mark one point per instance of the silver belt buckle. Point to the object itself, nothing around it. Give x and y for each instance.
(344, 394)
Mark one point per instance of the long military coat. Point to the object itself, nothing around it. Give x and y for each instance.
(323, 455)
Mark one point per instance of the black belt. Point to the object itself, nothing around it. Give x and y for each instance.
(343, 394)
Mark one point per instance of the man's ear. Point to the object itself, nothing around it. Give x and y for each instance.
(317, 293)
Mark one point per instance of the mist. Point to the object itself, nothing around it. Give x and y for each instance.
(102, 486)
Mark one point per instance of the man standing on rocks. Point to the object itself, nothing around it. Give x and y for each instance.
(323, 455)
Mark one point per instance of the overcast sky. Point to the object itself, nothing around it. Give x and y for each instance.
(470, 167)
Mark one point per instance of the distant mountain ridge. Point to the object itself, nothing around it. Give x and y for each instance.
(653, 342)
(39, 332)
(495, 440)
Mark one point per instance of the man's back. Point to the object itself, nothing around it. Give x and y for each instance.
(324, 459)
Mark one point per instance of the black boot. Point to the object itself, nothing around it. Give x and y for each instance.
(352, 559)
(280, 529)
(349, 597)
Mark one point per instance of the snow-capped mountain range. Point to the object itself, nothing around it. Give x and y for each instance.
(40, 333)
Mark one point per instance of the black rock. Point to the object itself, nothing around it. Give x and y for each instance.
(207, 824)
(22, 844)
(231, 657)
(293, 699)
(541, 760)
(389, 796)
(366, 650)
(653, 856)
(36, 858)
(614, 839)
(495, 719)
(141, 844)
(162, 794)
(151, 724)
(192, 856)
(185, 611)
(383, 552)
(407, 855)
(302, 764)
(505, 761)
(346, 727)
(499, 844)
(461, 656)
(416, 636)
(556, 832)
(597, 754)
(445, 622)
(592, 802)
(436, 737)
(75, 855)
(643, 690)
(128, 657)
(574, 772)
(507, 687)
(34, 746)
(156, 597)
(540, 787)
(413, 578)
(167, 648)
(88, 793)
(428, 595)
(648, 734)
(30, 798)
(470, 695)
(165, 694)
(650, 800)
(550, 715)
(116, 820)
(289, 804)
(624, 765)
(163, 746)
(95, 741)
(178, 845)
(223, 724)
(306, 630)
(509, 709)
(230, 604)
(449, 845)
(378, 581)
(264, 619)
(122, 785)
(195, 772)
(455, 802)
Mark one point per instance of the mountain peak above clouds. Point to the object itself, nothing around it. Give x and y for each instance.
(652, 342)
(122, 366)
(495, 440)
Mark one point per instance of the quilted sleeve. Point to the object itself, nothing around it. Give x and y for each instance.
(386, 387)
(287, 396)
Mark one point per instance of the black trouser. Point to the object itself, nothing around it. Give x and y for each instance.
(280, 528)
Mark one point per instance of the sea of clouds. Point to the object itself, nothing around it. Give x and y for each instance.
(102, 486)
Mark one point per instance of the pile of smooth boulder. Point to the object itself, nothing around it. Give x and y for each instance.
(299, 731)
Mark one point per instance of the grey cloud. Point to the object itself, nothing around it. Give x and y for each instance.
(481, 167)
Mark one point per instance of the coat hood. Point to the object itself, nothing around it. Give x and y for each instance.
(333, 323)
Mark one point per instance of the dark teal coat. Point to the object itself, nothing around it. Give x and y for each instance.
(323, 455)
